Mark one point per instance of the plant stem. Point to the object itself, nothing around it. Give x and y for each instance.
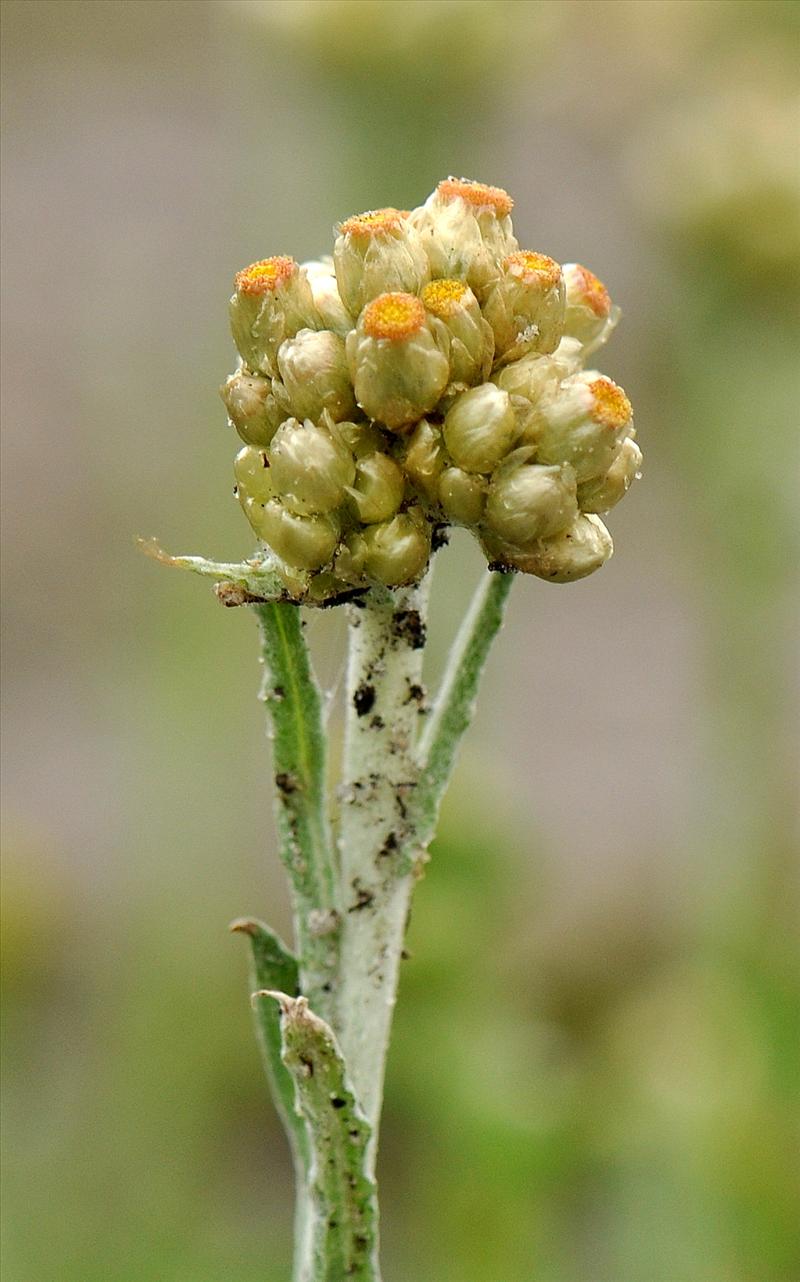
(384, 685)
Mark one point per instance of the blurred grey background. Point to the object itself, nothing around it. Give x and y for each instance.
(593, 1077)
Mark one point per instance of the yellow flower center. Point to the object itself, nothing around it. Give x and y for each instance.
(394, 316)
(444, 297)
(266, 275)
(477, 194)
(591, 291)
(533, 268)
(611, 406)
(372, 223)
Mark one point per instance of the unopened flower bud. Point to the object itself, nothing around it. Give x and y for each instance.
(583, 423)
(378, 253)
(252, 509)
(604, 492)
(590, 315)
(315, 376)
(331, 310)
(529, 379)
(359, 438)
(525, 306)
(528, 502)
(533, 375)
(466, 231)
(398, 368)
(311, 469)
(471, 338)
(303, 542)
(271, 302)
(396, 552)
(462, 496)
(424, 459)
(480, 428)
(251, 407)
(348, 563)
(253, 475)
(578, 551)
(378, 489)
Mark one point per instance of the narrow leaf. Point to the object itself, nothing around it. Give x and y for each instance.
(344, 1222)
(245, 582)
(294, 705)
(274, 966)
(455, 704)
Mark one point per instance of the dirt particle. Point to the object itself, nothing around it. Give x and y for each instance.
(351, 597)
(389, 847)
(363, 699)
(416, 693)
(233, 594)
(409, 628)
(363, 899)
(439, 538)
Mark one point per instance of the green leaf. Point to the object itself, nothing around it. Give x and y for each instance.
(274, 966)
(344, 1214)
(244, 582)
(455, 705)
(294, 705)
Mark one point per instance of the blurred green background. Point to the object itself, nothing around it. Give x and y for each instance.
(594, 1071)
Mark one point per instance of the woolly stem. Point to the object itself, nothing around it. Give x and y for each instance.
(384, 684)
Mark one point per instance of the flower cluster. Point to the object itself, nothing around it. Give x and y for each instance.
(429, 374)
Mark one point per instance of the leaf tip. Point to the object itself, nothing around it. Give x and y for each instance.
(287, 1004)
(244, 926)
(153, 549)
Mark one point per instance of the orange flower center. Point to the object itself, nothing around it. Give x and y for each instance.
(477, 194)
(591, 291)
(262, 277)
(394, 316)
(533, 268)
(611, 406)
(444, 297)
(372, 223)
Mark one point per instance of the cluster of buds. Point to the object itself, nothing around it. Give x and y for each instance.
(431, 373)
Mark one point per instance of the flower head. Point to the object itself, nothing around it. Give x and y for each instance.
(429, 373)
